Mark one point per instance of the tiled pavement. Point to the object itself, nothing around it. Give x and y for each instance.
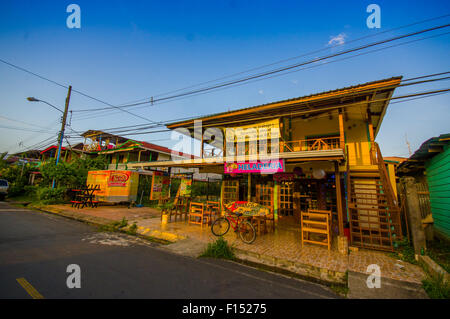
(283, 245)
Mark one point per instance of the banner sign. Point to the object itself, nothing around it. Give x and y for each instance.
(185, 187)
(255, 132)
(270, 166)
(284, 177)
(160, 187)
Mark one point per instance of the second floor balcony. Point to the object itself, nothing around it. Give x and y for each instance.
(312, 144)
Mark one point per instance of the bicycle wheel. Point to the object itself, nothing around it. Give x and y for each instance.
(247, 232)
(220, 226)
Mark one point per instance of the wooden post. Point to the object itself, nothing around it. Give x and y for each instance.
(201, 156)
(341, 130)
(249, 187)
(371, 137)
(275, 201)
(337, 177)
(139, 156)
(414, 215)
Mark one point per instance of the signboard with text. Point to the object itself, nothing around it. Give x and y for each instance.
(264, 167)
(160, 186)
(185, 187)
(118, 179)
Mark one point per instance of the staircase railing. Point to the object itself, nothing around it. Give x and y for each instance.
(387, 186)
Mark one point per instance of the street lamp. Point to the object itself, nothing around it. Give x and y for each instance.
(33, 99)
(63, 125)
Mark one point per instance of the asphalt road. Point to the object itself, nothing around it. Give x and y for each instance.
(38, 247)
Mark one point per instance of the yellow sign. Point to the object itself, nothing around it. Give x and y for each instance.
(185, 187)
(160, 186)
(254, 132)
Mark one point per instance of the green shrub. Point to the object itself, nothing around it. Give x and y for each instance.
(71, 174)
(439, 251)
(436, 288)
(133, 229)
(166, 206)
(17, 177)
(48, 195)
(219, 249)
(405, 252)
(16, 189)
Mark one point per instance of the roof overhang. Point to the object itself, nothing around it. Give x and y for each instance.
(375, 94)
(323, 155)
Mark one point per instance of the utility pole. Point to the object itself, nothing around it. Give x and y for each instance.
(63, 126)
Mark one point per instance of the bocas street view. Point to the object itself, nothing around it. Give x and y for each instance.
(247, 179)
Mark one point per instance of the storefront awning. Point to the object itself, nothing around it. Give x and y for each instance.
(322, 155)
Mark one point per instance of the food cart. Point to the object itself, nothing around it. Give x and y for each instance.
(115, 185)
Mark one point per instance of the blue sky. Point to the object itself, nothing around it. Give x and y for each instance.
(131, 50)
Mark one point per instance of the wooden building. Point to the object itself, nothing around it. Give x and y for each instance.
(430, 167)
(321, 154)
(66, 155)
(121, 151)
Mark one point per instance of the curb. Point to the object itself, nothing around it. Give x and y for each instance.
(167, 236)
(147, 233)
(303, 271)
(96, 221)
(433, 268)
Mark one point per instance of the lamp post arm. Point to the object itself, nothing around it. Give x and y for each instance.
(52, 106)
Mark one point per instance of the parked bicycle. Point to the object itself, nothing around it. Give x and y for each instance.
(221, 226)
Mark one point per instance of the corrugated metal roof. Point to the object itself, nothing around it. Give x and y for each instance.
(415, 162)
(294, 99)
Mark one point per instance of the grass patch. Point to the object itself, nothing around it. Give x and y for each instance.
(340, 289)
(436, 288)
(219, 249)
(439, 251)
(405, 252)
(132, 229)
(24, 198)
(115, 226)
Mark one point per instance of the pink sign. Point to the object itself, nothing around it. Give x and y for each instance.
(270, 166)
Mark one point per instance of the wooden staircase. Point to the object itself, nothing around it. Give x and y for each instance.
(373, 209)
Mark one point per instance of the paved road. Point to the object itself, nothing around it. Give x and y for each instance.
(39, 247)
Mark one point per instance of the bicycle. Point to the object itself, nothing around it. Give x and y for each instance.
(246, 231)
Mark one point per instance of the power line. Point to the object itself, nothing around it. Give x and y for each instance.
(411, 95)
(22, 122)
(265, 75)
(304, 63)
(289, 59)
(230, 82)
(25, 129)
(73, 90)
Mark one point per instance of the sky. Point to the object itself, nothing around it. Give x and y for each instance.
(127, 51)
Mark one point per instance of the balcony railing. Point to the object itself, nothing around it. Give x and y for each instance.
(314, 144)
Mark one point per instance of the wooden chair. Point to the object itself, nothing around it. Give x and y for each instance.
(316, 222)
(197, 211)
(180, 208)
(260, 224)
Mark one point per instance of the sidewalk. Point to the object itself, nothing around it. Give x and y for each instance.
(279, 251)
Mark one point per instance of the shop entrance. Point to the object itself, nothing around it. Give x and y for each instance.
(230, 191)
(264, 195)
